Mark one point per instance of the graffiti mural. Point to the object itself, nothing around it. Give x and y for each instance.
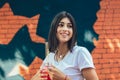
(16, 21)
(24, 26)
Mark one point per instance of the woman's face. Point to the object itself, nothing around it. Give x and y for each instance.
(64, 30)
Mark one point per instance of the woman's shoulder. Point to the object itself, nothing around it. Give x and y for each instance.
(51, 54)
(82, 48)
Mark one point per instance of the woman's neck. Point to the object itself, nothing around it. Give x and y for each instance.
(62, 48)
(61, 52)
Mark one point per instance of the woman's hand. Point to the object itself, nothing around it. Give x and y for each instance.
(55, 74)
(41, 75)
(44, 74)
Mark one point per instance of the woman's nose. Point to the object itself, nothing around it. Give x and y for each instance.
(65, 27)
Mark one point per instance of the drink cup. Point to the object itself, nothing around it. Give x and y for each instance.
(44, 70)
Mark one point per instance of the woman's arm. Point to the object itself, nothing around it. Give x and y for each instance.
(36, 76)
(56, 74)
(90, 74)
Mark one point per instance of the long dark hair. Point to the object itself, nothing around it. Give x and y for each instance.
(52, 39)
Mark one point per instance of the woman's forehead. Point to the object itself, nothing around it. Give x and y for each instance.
(66, 19)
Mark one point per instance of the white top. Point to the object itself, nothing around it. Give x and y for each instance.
(73, 62)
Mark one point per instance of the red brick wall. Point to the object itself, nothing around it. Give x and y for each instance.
(10, 24)
(33, 68)
(107, 52)
(106, 55)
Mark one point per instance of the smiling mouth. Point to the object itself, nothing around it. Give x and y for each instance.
(64, 34)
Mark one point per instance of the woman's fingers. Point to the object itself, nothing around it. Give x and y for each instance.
(41, 75)
(51, 68)
(44, 77)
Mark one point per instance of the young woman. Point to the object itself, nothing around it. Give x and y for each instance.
(67, 60)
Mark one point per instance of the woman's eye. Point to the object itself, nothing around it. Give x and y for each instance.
(69, 25)
(61, 25)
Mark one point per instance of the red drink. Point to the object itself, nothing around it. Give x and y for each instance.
(48, 77)
(44, 71)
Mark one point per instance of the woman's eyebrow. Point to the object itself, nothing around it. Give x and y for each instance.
(64, 22)
(61, 22)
